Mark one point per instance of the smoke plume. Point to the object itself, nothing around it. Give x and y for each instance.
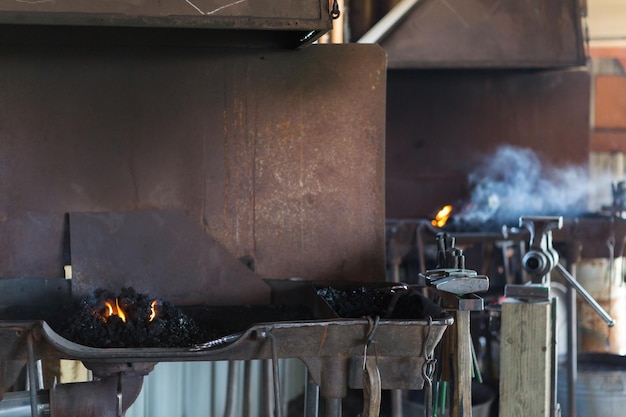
(513, 182)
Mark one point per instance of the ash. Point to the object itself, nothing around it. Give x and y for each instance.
(170, 328)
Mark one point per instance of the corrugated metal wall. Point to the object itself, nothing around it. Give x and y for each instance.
(192, 389)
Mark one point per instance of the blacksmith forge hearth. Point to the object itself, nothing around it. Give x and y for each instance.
(187, 151)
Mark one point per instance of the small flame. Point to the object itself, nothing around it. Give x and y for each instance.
(153, 310)
(114, 310)
(442, 216)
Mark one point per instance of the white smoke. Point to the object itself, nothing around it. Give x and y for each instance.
(513, 182)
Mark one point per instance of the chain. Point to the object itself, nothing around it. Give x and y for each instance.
(335, 13)
(428, 370)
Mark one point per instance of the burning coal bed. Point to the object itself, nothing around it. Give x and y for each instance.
(131, 319)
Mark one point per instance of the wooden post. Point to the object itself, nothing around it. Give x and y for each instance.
(525, 359)
(462, 385)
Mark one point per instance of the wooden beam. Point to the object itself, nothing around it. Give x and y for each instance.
(525, 359)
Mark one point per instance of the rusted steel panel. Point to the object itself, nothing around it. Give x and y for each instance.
(247, 23)
(257, 8)
(162, 253)
(263, 148)
(440, 123)
(242, 14)
(488, 34)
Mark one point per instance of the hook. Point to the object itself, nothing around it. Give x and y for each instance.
(373, 326)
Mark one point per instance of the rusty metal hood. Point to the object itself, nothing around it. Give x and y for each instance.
(481, 34)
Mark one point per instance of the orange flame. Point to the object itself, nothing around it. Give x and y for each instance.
(114, 310)
(153, 310)
(442, 216)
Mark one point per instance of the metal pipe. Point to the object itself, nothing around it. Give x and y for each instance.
(32, 376)
(17, 404)
(396, 403)
(311, 397)
(266, 392)
(247, 389)
(231, 390)
(572, 349)
(585, 295)
(388, 22)
(278, 404)
(333, 407)
(95, 398)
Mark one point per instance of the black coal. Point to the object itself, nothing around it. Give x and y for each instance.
(170, 328)
(362, 301)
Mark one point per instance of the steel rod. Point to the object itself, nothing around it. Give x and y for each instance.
(396, 403)
(585, 295)
(333, 407)
(32, 376)
(231, 392)
(247, 389)
(311, 397)
(278, 407)
(17, 404)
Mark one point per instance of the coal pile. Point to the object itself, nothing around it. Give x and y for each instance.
(362, 302)
(142, 322)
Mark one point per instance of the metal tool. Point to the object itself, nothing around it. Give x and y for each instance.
(541, 259)
(456, 287)
(372, 387)
(451, 276)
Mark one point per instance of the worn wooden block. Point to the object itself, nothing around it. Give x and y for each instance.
(525, 359)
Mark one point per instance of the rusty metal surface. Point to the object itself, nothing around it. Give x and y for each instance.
(325, 346)
(488, 34)
(285, 9)
(457, 117)
(592, 237)
(242, 14)
(102, 397)
(329, 347)
(162, 253)
(259, 23)
(125, 36)
(262, 148)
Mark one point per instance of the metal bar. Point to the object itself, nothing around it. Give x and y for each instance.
(585, 295)
(311, 397)
(554, 408)
(17, 404)
(247, 389)
(572, 348)
(32, 376)
(388, 22)
(119, 395)
(231, 391)
(396, 403)
(278, 405)
(39, 375)
(266, 393)
(333, 407)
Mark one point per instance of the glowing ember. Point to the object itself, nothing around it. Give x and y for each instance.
(114, 310)
(442, 216)
(153, 310)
